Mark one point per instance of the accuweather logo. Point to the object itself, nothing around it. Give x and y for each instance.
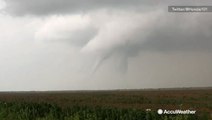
(160, 111)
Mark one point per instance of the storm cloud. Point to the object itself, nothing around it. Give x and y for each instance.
(104, 34)
(114, 30)
(46, 7)
(105, 28)
(41, 7)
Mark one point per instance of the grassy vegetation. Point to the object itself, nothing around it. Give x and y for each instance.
(44, 111)
(104, 105)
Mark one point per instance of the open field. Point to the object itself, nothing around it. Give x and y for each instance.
(119, 104)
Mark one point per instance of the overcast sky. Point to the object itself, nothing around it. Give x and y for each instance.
(96, 44)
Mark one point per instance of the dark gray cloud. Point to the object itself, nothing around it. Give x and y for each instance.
(181, 32)
(44, 7)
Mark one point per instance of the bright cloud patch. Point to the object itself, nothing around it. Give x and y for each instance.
(76, 29)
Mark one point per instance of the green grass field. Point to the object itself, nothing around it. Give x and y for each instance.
(105, 105)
